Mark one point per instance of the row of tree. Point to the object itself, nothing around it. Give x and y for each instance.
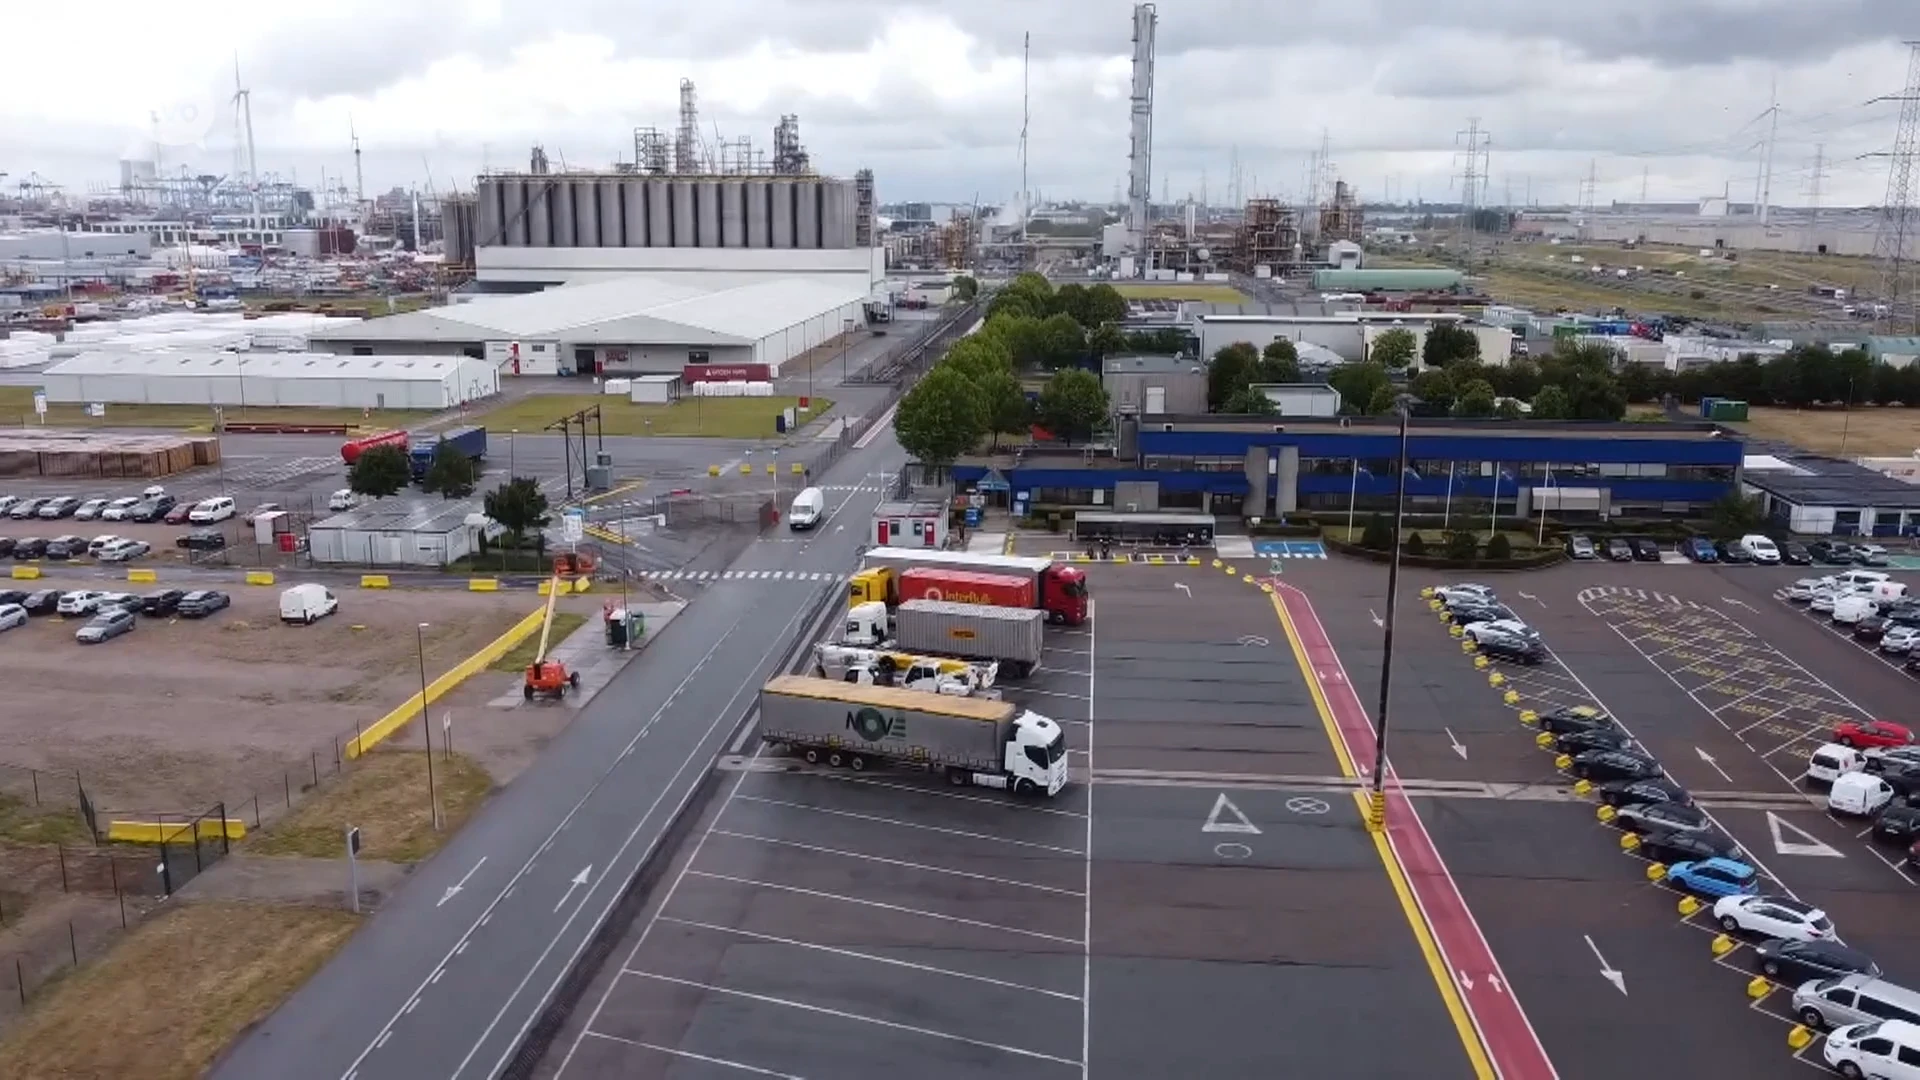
(517, 503)
(1802, 376)
(1033, 296)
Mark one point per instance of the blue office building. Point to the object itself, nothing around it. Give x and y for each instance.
(1268, 468)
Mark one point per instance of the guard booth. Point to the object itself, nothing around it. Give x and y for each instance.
(909, 524)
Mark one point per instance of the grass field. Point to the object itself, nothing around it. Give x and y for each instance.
(518, 657)
(385, 795)
(174, 992)
(722, 418)
(1869, 430)
(1546, 291)
(1158, 290)
(28, 824)
(16, 409)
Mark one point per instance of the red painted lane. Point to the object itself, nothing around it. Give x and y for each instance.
(1504, 1029)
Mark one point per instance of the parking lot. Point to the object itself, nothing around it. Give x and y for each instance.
(1215, 880)
(1675, 657)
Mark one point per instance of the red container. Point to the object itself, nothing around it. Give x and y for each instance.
(286, 541)
(966, 587)
(350, 451)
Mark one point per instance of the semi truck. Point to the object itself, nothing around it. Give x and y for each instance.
(1010, 637)
(1058, 589)
(993, 744)
(469, 440)
(940, 583)
(877, 667)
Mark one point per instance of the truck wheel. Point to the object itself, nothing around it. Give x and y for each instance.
(853, 676)
(527, 691)
(834, 759)
(856, 763)
(812, 756)
(1057, 618)
(1024, 786)
(957, 777)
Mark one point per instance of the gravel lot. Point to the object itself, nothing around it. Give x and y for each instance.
(180, 714)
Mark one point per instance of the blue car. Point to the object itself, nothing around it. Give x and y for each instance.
(1700, 549)
(1713, 878)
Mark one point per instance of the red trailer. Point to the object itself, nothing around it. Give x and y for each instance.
(350, 451)
(966, 587)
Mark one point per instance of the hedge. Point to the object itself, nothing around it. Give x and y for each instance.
(1541, 558)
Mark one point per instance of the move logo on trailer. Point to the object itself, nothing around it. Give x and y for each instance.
(873, 725)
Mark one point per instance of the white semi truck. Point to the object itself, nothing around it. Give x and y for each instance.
(878, 667)
(1010, 637)
(972, 741)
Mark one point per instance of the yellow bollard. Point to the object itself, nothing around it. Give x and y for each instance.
(1758, 987)
(1435, 605)
(1629, 841)
(1722, 944)
(1266, 588)
(1455, 630)
(1656, 872)
(1216, 564)
(1605, 813)
(1426, 593)
(1479, 662)
(1544, 740)
(1689, 907)
(1799, 1037)
(1496, 680)
(1528, 716)
(1585, 787)
(713, 470)
(1511, 697)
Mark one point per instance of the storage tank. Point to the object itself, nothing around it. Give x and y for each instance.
(539, 213)
(586, 213)
(513, 212)
(633, 201)
(707, 213)
(681, 192)
(613, 212)
(487, 220)
(807, 195)
(759, 214)
(659, 215)
(783, 216)
(562, 234)
(733, 214)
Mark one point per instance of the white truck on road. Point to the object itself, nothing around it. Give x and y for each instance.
(1010, 637)
(993, 744)
(877, 667)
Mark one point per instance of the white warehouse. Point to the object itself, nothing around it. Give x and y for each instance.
(634, 325)
(240, 380)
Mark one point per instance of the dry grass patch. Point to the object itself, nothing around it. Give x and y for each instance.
(1868, 430)
(1155, 290)
(173, 993)
(385, 795)
(518, 657)
(720, 418)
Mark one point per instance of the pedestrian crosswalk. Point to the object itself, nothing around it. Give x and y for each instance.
(866, 489)
(740, 575)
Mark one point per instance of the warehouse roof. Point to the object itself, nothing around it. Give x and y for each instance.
(632, 310)
(186, 364)
(382, 516)
(1811, 480)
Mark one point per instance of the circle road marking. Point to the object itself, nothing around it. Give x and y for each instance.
(1304, 805)
(1231, 850)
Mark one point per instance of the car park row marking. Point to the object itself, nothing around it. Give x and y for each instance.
(739, 575)
(1898, 664)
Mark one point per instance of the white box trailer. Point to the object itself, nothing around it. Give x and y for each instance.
(972, 741)
(1013, 637)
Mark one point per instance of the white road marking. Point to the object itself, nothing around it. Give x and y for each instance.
(881, 905)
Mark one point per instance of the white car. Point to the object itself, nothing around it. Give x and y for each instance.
(1823, 598)
(1882, 758)
(1882, 1049)
(103, 540)
(1772, 917)
(1848, 610)
(344, 499)
(12, 615)
(1900, 639)
(90, 509)
(117, 509)
(7, 503)
(82, 602)
(209, 511)
(1802, 591)
(1465, 591)
(123, 550)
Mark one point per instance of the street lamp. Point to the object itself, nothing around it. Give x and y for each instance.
(511, 432)
(426, 726)
(846, 346)
(1377, 798)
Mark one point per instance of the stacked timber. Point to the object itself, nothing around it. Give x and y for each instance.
(102, 454)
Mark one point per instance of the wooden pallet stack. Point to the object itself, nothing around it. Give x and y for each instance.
(102, 455)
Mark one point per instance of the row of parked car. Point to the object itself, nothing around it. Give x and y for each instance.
(152, 505)
(1875, 609)
(1872, 1024)
(1752, 548)
(107, 548)
(109, 614)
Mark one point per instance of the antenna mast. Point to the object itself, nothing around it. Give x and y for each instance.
(1897, 217)
(1026, 198)
(1773, 131)
(359, 180)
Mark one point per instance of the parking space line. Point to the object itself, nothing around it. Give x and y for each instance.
(899, 909)
(768, 999)
(704, 1059)
(1057, 693)
(1001, 803)
(1086, 848)
(911, 825)
(856, 954)
(902, 863)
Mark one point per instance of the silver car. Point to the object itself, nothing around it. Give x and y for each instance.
(1900, 639)
(108, 624)
(12, 615)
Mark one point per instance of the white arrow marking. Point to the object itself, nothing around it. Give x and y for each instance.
(1530, 596)
(1607, 971)
(453, 890)
(1240, 824)
(579, 879)
(1182, 586)
(1466, 980)
(1457, 747)
(1375, 616)
(1494, 981)
(1736, 603)
(1708, 758)
(1809, 845)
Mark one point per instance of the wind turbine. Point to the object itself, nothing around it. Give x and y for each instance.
(243, 134)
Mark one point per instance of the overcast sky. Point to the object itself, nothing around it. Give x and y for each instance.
(928, 95)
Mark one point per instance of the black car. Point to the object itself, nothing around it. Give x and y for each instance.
(1794, 962)
(1644, 550)
(1575, 718)
(1508, 641)
(43, 602)
(1619, 550)
(1632, 792)
(1905, 612)
(153, 509)
(1601, 765)
(1664, 817)
(1593, 738)
(6, 546)
(1465, 611)
(1831, 552)
(201, 603)
(1672, 847)
(164, 602)
(1795, 553)
(1898, 823)
(1902, 776)
(1731, 552)
(31, 547)
(13, 596)
(66, 547)
(203, 540)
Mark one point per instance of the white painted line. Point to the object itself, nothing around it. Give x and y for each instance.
(872, 957)
(941, 793)
(910, 825)
(881, 905)
(1056, 693)
(901, 863)
(382, 1040)
(1086, 915)
(704, 1059)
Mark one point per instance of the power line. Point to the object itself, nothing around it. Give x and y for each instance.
(1897, 215)
(1475, 162)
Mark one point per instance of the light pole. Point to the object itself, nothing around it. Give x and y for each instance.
(511, 432)
(1377, 798)
(846, 346)
(426, 725)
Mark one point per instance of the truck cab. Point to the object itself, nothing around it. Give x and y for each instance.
(868, 625)
(1063, 593)
(1037, 753)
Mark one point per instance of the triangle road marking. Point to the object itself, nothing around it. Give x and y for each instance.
(1239, 823)
(1807, 845)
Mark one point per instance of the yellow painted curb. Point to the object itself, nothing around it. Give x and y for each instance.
(375, 581)
(158, 832)
(142, 575)
(382, 729)
(483, 584)
(259, 577)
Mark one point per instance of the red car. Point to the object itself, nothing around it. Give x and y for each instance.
(178, 515)
(1872, 733)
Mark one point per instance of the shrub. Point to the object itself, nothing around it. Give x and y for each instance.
(1461, 545)
(1377, 535)
(1416, 544)
(1499, 547)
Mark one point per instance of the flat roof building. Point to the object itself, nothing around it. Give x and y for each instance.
(1821, 496)
(320, 380)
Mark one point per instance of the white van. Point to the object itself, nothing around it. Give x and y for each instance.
(1761, 549)
(809, 509)
(1832, 761)
(1858, 577)
(1885, 1049)
(208, 511)
(305, 603)
(1859, 794)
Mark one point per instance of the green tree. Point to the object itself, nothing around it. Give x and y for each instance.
(519, 506)
(1232, 370)
(1733, 515)
(966, 287)
(1447, 342)
(1279, 362)
(1073, 405)
(451, 473)
(1009, 412)
(1062, 341)
(1021, 304)
(941, 418)
(1071, 300)
(1377, 534)
(1499, 547)
(1507, 409)
(1247, 401)
(1476, 401)
(1019, 334)
(1416, 545)
(1106, 340)
(1382, 401)
(1551, 404)
(379, 471)
(1394, 348)
(1435, 388)
(1360, 386)
(978, 356)
(1105, 305)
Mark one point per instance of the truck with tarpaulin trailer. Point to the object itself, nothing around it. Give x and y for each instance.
(470, 440)
(1059, 590)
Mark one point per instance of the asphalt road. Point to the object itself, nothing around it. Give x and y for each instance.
(443, 980)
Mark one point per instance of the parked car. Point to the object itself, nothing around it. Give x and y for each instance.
(1897, 823)
(27, 507)
(203, 540)
(1904, 610)
(1730, 551)
(1713, 878)
(111, 600)
(1594, 738)
(1865, 733)
(1644, 549)
(1507, 639)
(61, 548)
(1601, 765)
(43, 601)
(1881, 1049)
(1794, 962)
(1670, 847)
(29, 547)
(6, 503)
(1581, 547)
(1619, 550)
(13, 596)
(123, 550)
(1699, 549)
(261, 511)
(89, 510)
(1662, 817)
(201, 603)
(1900, 639)
(57, 507)
(179, 514)
(80, 602)
(12, 615)
(1795, 553)
(1772, 917)
(1473, 609)
(6, 546)
(163, 602)
(1448, 593)
(1831, 552)
(343, 499)
(1625, 792)
(1871, 555)
(94, 545)
(152, 509)
(1880, 759)
(211, 511)
(1574, 718)
(105, 626)
(116, 510)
